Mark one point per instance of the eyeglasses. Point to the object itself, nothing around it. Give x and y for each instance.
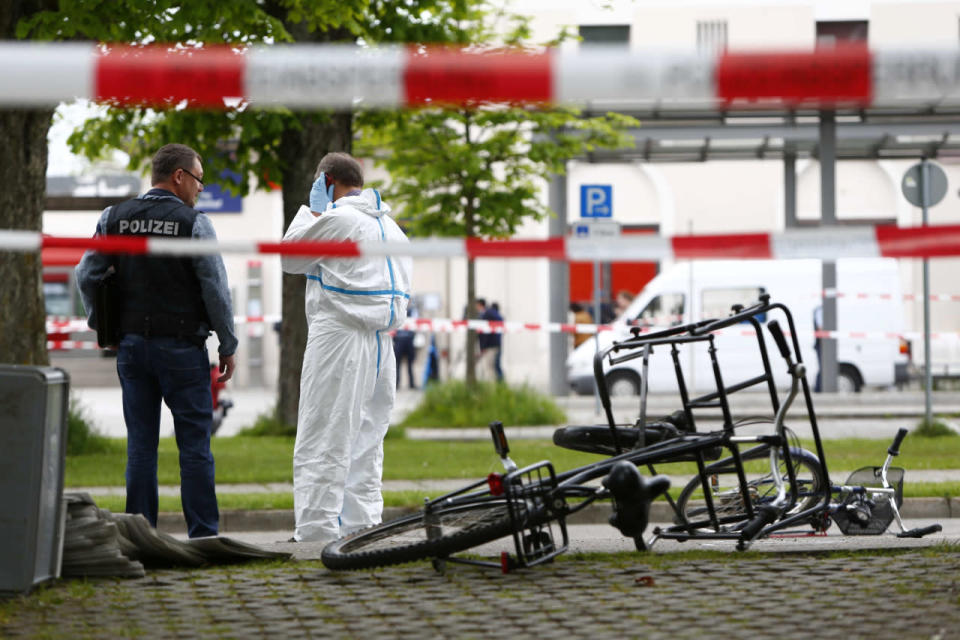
(193, 176)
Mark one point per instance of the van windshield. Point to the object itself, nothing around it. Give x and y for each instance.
(665, 310)
(718, 302)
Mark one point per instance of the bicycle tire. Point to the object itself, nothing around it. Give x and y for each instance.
(599, 438)
(728, 501)
(405, 539)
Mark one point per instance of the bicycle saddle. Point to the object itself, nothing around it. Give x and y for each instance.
(632, 495)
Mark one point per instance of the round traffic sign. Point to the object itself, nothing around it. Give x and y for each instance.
(936, 189)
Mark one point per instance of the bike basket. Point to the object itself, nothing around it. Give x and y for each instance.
(537, 516)
(881, 513)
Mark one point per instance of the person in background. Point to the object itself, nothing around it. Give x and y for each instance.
(405, 350)
(494, 340)
(623, 300)
(580, 316)
(818, 346)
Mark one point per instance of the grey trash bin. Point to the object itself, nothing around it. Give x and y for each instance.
(33, 431)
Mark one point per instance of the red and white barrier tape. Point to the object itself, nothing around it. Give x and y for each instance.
(824, 243)
(342, 76)
(446, 325)
(70, 345)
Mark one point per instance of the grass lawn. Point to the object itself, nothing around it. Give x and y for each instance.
(257, 501)
(268, 459)
(251, 501)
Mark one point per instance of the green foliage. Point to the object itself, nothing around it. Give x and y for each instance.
(82, 435)
(269, 424)
(933, 429)
(475, 172)
(455, 404)
(246, 141)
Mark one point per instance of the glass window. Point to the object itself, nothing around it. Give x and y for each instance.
(56, 298)
(829, 33)
(711, 36)
(605, 34)
(666, 310)
(717, 303)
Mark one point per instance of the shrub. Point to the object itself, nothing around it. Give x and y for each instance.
(268, 424)
(82, 436)
(934, 429)
(453, 404)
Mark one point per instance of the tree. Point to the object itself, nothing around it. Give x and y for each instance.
(278, 145)
(473, 171)
(23, 170)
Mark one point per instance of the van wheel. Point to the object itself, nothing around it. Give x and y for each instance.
(623, 383)
(848, 379)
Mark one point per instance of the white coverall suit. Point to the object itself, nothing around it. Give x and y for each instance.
(348, 384)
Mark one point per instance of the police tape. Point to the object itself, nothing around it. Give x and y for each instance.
(822, 243)
(345, 76)
(58, 327)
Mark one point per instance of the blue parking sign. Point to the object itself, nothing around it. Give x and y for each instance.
(596, 201)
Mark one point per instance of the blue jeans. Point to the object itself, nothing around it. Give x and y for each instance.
(178, 372)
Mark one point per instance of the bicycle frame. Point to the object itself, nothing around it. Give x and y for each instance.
(536, 496)
(641, 346)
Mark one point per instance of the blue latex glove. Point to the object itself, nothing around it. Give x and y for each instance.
(320, 194)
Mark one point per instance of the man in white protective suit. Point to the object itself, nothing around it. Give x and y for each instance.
(348, 384)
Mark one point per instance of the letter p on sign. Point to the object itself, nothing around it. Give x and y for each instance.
(596, 201)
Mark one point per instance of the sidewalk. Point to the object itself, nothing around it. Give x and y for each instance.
(654, 596)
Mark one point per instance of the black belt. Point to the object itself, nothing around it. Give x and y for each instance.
(186, 327)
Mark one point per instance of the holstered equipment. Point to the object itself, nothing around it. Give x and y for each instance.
(107, 309)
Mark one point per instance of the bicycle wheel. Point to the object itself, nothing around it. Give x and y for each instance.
(728, 499)
(449, 530)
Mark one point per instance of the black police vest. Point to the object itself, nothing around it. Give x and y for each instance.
(161, 295)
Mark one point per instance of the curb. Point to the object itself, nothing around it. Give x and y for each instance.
(282, 520)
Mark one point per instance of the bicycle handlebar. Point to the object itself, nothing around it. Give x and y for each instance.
(779, 338)
(898, 439)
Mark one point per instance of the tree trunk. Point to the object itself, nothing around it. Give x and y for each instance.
(23, 174)
(301, 149)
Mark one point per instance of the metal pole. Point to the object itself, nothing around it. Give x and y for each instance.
(928, 376)
(789, 189)
(828, 217)
(559, 288)
(596, 321)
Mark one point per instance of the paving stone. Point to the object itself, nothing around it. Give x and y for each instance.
(577, 598)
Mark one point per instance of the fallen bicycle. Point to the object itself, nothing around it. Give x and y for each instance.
(723, 501)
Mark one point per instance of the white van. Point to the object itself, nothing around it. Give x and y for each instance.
(679, 296)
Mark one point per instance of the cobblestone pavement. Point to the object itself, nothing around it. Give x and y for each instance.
(912, 594)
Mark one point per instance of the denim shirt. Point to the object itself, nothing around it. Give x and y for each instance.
(209, 269)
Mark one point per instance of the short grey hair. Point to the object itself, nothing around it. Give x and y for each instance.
(169, 158)
(342, 167)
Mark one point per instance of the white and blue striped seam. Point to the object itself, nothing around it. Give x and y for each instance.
(392, 291)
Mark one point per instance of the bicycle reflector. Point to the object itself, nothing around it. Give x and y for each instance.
(495, 482)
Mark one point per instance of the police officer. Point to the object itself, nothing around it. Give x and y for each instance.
(168, 306)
